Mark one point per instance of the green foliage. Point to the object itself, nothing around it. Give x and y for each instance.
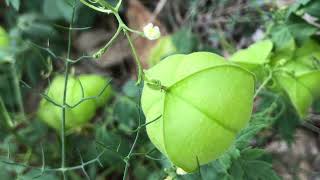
(14, 3)
(35, 27)
(289, 24)
(57, 9)
(281, 36)
(317, 106)
(4, 114)
(254, 58)
(293, 70)
(185, 41)
(287, 123)
(287, 65)
(256, 54)
(251, 165)
(299, 28)
(313, 8)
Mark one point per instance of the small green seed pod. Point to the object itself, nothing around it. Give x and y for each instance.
(206, 102)
(75, 117)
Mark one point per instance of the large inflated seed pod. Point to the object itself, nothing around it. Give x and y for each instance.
(207, 101)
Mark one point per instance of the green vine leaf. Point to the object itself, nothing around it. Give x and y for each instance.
(254, 57)
(309, 54)
(281, 36)
(299, 77)
(251, 165)
(284, 53)
(299, 95)
(256, 54)
(313, 8)
(255, 125)
(14, 3)
(311, 81)
(299, 28)
(59, 9)
(185, 41)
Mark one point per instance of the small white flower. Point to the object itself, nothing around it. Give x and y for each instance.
(180, 171)
(151, 32)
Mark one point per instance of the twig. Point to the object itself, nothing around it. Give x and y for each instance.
(17, 89)
(265, 82)
(83, 99)
(64, 98)
(158, 9)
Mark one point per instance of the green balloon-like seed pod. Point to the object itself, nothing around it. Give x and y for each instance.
(92, 86)
(205, 103)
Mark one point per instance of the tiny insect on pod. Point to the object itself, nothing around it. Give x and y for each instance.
(92, 86)
(206, 102)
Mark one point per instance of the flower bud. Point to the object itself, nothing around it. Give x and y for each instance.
(151, 32)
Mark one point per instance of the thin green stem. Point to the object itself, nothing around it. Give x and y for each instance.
(199, 168)
(118, 5)
(65, 169)
(127, 158)
(96, 8)
(17, 89)
(136, 58)
(122, 27)
(125, 173)
(5, 115)
(134, 31)
(63, 148)
(264, 83)
(146, 124)
(9, 123)
(107, 46)
(64, 98)
(120, 21)
(107, 5)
